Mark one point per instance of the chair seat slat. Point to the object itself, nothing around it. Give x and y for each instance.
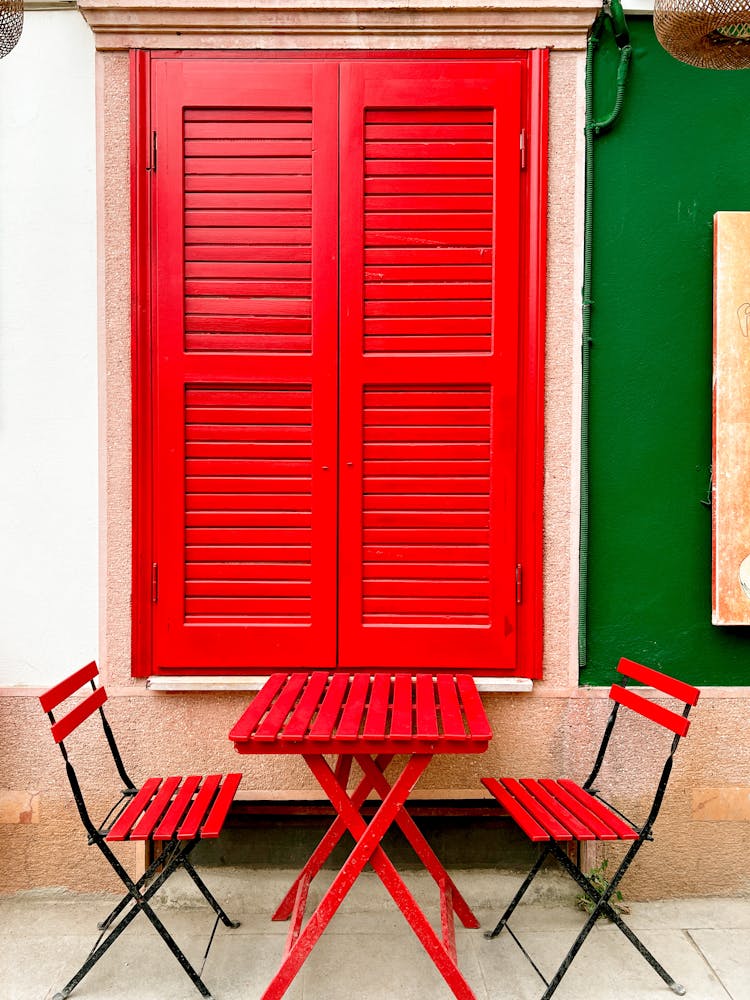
(599, 827)
(515, 810)
(52, 698)
(662, 682)
(572, 822)
(147, 822)
(623, 830)
(173, 816)
(543, 816)
(128, 817)
(252, 715)
(197, 811)
(650, 710)
(215, 819)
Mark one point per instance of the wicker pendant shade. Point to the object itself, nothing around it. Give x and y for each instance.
(712, 34)
(11, 24)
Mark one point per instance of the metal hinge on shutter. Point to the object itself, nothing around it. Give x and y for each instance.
(155, 583)
(523, 148)
(519, 584)
(152, 164)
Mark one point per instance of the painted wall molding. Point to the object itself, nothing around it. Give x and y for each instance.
(122, 24)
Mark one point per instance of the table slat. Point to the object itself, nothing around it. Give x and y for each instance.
(351, 717)
(450, 709)
(270, 726)
(252, 715)
(427, 727)
(307, 705)
(377, 710)
(479, 727)
(403, 703)
(324, 725)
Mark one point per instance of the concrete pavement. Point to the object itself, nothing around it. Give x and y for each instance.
(369, 952)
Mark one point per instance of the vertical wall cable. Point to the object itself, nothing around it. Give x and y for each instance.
(592, 130)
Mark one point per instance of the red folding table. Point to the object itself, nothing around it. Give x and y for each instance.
(370, 719)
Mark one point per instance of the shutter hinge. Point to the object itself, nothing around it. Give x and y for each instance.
(155, 583)
(152, 164)
(519, 584)
(523, 148)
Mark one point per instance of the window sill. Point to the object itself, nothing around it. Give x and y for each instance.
(485, 685)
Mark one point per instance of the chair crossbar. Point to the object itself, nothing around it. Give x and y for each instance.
(54, 695)
(662, 682)
(68, 723)
(650, 710)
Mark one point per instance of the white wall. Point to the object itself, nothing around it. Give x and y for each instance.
(48, 376)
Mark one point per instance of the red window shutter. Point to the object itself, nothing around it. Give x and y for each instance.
(244, 208)
(430, 182)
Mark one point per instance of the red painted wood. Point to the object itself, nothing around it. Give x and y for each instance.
(450, 709)
(244, 356)
(349, 726)
(173, 816)
(145, 825)
(122, 826)
(271, 726)
(57, 694)
(623, 830)
(452, 386)
(447, 920)
(533, 830)
(202, 317)
(600, 827)
(545, 793)
(403, 707)
(660, 681)
(377, 708)
(218, 813)
(547, 820)
(309, 701)
(330, 707)
(650, 710)
(245, 725)
(65, 726)
(476, 717)
(427, 727)
(201, 803)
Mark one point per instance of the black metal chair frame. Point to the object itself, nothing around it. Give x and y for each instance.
(174, 855)
(602, 899)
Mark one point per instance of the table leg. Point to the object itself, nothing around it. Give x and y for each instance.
(368, 837)
(415, 837)
(334, 833)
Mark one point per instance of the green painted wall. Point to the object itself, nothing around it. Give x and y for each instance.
(679, 153)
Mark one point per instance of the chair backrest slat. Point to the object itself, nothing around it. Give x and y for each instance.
(52, 698)
(65, 726)
(656, 713)
(662, 682)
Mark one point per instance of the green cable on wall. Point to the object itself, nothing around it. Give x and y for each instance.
(611, 9)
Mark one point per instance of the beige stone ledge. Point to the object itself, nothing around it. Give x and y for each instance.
(120, 24)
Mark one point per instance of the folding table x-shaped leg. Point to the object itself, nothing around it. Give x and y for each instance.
(368, 837)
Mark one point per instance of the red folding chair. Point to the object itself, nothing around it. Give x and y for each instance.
(557, 812)
(175, 811)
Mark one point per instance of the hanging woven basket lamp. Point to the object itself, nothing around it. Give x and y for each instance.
(712, 34)
(11, 24)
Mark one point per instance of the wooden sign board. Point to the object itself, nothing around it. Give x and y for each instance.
(731, 432)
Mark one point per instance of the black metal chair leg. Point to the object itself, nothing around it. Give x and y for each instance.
(616, 919)
(518, 896)
(205, 891)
